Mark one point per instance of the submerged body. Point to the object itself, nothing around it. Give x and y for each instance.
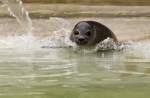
(90, 33)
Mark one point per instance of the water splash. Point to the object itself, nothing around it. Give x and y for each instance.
(109, 44)
(59, 37)
(17, 10)
(60, 32)
(59, 23)
(19, 42)
(139, 49)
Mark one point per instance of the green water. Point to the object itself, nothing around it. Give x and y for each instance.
(64, 73)
(29, 71)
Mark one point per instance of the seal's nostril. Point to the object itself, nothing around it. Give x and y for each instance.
(81, 39)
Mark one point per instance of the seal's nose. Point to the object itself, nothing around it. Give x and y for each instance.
(81, 39)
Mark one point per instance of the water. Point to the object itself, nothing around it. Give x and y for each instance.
(17, 10)
(57, 71)
(64, 73)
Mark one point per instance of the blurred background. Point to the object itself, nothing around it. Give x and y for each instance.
(100, 2)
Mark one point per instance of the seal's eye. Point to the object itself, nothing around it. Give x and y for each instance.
(88, 33)
(76, 33)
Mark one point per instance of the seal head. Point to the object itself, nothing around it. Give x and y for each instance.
(89, 33)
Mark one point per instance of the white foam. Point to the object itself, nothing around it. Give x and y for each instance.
(59, 38)
(22, 42)
(109, 44)
(140, 49)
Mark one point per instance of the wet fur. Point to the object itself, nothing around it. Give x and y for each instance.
(99, 32)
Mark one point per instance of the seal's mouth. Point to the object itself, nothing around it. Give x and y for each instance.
(81, 42)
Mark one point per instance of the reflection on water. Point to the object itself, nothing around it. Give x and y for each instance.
(64, 73)
(29, 71)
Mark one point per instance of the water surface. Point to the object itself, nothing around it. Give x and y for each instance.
(29, 71)
(55, 73)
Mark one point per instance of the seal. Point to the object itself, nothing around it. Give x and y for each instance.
(90, 33)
